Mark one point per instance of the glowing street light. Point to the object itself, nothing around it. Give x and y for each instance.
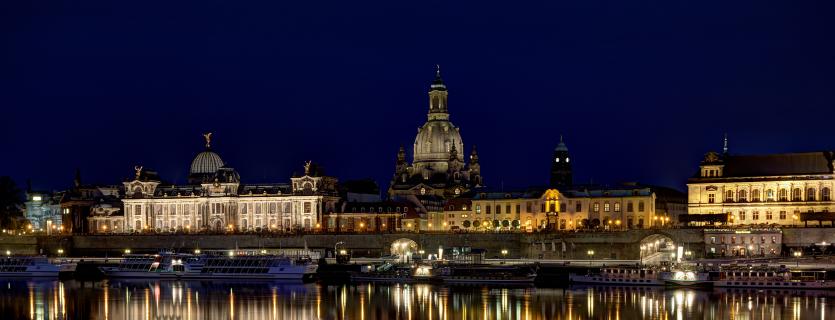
(797, 255)
(127, 251)
(590, 253)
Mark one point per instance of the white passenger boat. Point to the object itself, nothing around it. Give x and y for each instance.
(633, 276)
(241, 265)
(769, 277)
(27, 266)
(686, 278)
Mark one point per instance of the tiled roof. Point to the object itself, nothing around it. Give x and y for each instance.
(778, 164)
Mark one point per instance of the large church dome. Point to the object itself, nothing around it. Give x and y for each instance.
(206, 162)
(435, 139)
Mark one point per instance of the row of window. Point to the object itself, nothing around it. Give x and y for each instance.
(742, 239)
(244, 224)
(552, 207)
(380, 209)
(629, 207)
(781, 195)
(782, 215)
(186, 209)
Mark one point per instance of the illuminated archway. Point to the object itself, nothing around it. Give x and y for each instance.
(404, 248)
(656, 248)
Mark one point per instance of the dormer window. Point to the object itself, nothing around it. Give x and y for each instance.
(557, 160)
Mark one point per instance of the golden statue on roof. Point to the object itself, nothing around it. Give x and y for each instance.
(307, 167)
(138, 170)
(208, 137)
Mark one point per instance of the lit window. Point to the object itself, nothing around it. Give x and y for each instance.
(36, 198)
(567, 159)
(810, 194)
(557, 160)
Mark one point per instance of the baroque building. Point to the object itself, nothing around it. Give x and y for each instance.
(627, 206)
(215, 200)
(438, 167)
(773, 189)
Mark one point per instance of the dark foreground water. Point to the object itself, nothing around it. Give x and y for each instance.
(260, 300)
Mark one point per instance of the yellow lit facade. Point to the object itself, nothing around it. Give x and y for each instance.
(630, 207)
(763, 190)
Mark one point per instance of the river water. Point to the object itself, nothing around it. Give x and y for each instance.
(264, 300)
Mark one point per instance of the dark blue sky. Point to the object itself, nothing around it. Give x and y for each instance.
(640, 89)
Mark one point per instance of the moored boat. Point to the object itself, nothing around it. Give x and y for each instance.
(485, 274)
(686, 278)
(27, 266)
(388, 272)
(624, 275)
(770, 277)
(238, 264)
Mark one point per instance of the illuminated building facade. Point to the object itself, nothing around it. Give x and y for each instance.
(775, 189)
(599, 207)
(43, 210)
(216, 201)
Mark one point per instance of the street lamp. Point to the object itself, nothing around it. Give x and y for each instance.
(127, 251)
(504, 255)
(641, 255)
(797, 255)
(591, 254)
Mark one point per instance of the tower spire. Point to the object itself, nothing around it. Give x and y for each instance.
(725, 145)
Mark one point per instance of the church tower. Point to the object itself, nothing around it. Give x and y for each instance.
(561, 175)
(438, 98)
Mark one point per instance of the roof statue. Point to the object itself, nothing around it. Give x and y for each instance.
(307, 167)
(138, 171)
(208, 137)
(711, 157)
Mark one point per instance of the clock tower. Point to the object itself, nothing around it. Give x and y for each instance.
(561, 166)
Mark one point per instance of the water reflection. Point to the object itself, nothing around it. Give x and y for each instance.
(265, 300)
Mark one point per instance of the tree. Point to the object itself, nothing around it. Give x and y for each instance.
(466, 223)
(505, 223)
(11, 202)
(516, 224)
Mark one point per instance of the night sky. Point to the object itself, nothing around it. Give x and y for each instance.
(640, 89)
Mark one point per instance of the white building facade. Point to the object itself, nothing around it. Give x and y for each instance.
(216, 201)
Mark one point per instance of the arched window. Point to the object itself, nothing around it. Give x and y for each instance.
(769, 195)
(825, 194)
(729, 196)
(783, 195)
(796, 195)
(810, 194)
(755, 195)
(743, 196)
